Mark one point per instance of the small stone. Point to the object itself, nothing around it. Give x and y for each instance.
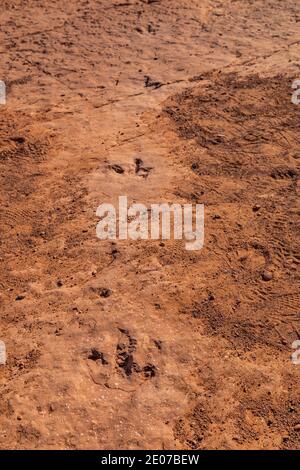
(124, 331)
(18, 139)
(256, 208)
(158, 343)
(149, 370)
(117, 168)
(2, 353)
(20, 297)
(105, 293)
(96, 355)
(59, 283)
(267, 276)
(297, 427)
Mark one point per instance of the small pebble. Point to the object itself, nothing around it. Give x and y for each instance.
(267, 276)
(117, 168)
(297, 427)
(20, 297)
(105, 293)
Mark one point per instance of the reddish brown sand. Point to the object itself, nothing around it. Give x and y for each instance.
(143, 344)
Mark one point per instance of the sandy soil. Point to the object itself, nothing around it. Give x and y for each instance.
(142, 344)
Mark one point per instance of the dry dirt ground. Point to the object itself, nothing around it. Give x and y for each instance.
(139, 344)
